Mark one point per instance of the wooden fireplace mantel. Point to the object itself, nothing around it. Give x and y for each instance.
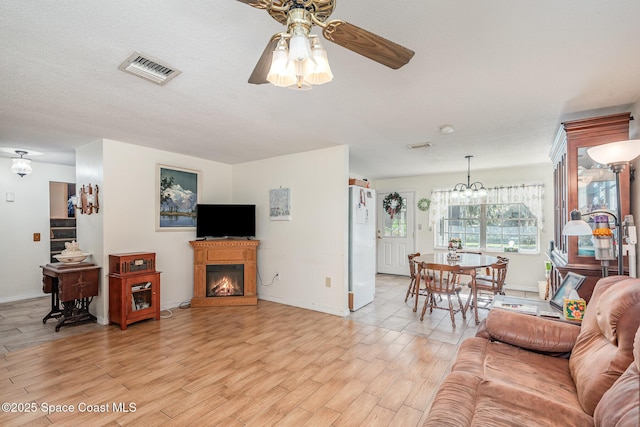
(224, 251)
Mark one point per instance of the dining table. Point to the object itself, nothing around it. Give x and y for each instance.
(468, 262)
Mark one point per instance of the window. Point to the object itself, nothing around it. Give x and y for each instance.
(504, 227)
(396, 227)
(509, 219)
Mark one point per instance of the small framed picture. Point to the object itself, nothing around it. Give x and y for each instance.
(571, 282)
(280, 204)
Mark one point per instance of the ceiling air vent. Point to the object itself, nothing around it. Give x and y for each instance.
(148, 68)
(419, 146)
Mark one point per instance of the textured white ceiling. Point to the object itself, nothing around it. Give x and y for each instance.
(504, 73)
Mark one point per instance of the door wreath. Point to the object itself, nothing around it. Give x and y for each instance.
(392, 204)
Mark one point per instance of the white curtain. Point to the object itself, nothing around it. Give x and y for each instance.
(532, 196)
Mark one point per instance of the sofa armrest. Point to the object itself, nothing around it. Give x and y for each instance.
(529, 332)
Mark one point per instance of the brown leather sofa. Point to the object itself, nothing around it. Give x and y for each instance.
(522, 370)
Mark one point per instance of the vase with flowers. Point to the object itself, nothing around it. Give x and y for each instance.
(455, 243)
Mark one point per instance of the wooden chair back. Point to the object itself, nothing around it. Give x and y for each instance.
(413, 269)
(495, 280)
(440, 278)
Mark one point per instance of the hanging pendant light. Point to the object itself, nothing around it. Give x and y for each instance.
(475, 190)
(21, 165)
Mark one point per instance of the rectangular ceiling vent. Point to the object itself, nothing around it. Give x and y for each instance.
(419, 146)
(148, 68)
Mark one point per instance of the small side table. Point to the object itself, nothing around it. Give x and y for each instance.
(73, 286)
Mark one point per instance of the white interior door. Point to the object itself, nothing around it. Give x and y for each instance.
(396, 236)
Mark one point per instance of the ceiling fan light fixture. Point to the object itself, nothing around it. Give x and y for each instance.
(279, 74)
(301, 69)
(299, 46)
(321, 73)
(300, 86)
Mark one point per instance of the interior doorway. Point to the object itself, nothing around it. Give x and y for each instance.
(396, 236)
(62, 216)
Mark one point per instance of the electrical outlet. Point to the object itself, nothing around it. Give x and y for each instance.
(327, 282)
(36, 237)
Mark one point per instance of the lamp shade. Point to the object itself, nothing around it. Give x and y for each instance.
(615, 152)
(577, 226)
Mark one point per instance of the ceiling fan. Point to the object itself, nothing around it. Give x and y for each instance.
(300, 15)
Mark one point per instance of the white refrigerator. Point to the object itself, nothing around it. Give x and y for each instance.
(362, 246)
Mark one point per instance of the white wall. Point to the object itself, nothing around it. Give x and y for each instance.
(28, 214)
(90, 228)
(126, 221)
(313, 245)
(305, 250)
(525, 270)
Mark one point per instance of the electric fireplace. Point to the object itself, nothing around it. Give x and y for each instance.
(224, 272)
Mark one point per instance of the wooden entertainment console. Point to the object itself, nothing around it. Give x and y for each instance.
(224, 252)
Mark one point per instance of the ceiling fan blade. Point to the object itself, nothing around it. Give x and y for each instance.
(367, 44)
(259, 74)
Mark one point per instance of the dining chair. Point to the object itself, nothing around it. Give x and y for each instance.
(413, 272)
(441, 280)
(487, 274)
(491, 283)
(465, 272)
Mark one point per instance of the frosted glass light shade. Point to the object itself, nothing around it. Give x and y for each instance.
(615, 152)
(21, 166)
(279, 74)
(299, 47)
(321, 72)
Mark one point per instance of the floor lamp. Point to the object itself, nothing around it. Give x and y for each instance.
(617, 156)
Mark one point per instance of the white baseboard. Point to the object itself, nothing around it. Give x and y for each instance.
(24, 297)
(520, 288)
(299, 304)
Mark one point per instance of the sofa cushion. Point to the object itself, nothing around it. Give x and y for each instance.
(620, 405)
(604, 347)
(476, 402)
(528, 372)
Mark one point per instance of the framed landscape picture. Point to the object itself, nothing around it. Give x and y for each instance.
(177, 192)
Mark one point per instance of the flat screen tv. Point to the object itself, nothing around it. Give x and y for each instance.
(218, 221)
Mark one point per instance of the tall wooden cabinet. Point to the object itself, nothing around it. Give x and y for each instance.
(580, 183)
(134, 288)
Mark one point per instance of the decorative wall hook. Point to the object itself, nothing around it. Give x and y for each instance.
(87, 200)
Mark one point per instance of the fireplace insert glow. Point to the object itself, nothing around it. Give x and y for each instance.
(225, 280)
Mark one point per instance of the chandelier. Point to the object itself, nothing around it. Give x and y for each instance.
(21, 165)
(469, 189)
(299, 60)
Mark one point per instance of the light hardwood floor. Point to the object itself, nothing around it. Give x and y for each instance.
(234, 366)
